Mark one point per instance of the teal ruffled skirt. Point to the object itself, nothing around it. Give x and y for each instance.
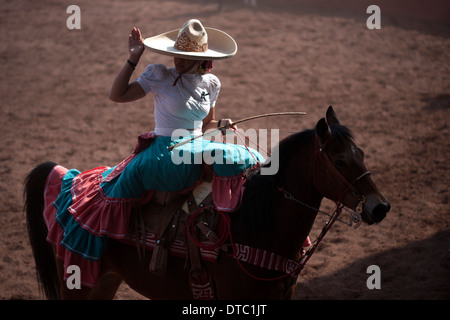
(96, 204)
(157, 168)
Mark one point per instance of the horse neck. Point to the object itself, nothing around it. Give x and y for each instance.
(290, 222)
(298, 175)
(293, 221)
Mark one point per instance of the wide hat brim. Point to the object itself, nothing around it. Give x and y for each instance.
(220, 46)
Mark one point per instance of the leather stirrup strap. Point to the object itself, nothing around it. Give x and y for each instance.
(199, 278)
(168, 213)
(158, 262)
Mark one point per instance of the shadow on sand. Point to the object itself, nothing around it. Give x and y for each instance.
(430, 18)
(419, 270)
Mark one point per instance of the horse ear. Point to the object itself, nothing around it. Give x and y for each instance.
(331, 116)
(323, 130)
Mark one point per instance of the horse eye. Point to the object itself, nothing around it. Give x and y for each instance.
(340, 163)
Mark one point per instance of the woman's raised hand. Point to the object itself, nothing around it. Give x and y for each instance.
(135, 43)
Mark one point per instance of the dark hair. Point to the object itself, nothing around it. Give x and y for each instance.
(207, 65)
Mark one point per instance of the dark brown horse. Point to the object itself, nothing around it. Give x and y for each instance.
(276, 216)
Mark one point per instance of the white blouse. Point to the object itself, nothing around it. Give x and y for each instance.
(182, 106)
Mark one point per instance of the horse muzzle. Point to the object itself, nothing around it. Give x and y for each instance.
(375, 209)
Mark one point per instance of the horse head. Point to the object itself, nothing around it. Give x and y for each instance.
(340, 173)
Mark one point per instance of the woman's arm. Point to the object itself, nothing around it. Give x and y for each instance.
(122, 90)
(209, 122)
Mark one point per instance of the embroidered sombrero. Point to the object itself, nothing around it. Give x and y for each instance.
(193, 41)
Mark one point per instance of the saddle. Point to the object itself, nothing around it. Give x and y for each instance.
(166, 216)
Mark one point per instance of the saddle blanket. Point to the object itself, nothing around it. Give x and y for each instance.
(178, 248)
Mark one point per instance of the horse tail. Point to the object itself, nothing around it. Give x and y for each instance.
(46, 269)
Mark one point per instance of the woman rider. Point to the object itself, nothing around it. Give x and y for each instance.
(98, 202)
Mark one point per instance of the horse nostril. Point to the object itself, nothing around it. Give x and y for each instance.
(380, 211)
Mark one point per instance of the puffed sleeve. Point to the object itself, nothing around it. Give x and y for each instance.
(214, 83)
(152, 77)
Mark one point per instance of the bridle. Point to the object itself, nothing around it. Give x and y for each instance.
(334, 175)
(321, 156)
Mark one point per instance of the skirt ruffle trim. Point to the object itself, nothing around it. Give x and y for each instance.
(90, 269)
(97, 213)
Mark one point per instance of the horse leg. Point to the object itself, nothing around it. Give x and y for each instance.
(66, 293)
(124, 261)
(106, 287)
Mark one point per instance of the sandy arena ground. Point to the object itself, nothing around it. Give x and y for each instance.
(390, 86)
